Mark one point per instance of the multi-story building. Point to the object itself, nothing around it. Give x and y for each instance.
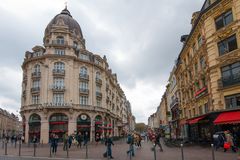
(172, 94)
(66, 88)
(9, 124)
(209, 68)
(207, 72)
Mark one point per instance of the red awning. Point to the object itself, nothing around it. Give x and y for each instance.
(228, 117)
(195, 120)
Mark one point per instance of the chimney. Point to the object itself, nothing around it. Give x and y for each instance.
(194, 17)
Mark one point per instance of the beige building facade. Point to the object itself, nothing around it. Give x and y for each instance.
(9, 124)
(207, 72)
(66, 88)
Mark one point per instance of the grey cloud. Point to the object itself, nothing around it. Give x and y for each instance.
(147, 33)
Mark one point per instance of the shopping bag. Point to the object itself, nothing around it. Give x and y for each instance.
(105, 154)
(226, 145)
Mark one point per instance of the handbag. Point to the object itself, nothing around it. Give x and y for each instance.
(226, 145)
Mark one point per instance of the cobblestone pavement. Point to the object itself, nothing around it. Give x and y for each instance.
(95, 152)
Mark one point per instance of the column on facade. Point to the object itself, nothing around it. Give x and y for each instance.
(44, 135)
(92, 132)
(26, 131)
(72, 125)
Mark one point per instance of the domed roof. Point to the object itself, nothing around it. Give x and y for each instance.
(65, 19)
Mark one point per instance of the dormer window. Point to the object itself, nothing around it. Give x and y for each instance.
(60, 40)
(60, 52)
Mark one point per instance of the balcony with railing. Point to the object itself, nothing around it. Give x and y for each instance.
(35, 89)
(174, 103)
(36, 75)
(229, 81)
(83, 76)
(83, 91)
(58, 43)
(98, 81)
(98, 94)
(58, 88)
(58, 72)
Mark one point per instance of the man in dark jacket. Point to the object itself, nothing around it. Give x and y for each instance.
(109, 144)
(157, 141)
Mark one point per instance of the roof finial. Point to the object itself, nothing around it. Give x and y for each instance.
(65, 4)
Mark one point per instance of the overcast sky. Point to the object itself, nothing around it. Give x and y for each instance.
(141, 39)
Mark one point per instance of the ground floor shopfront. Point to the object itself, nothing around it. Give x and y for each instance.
(41, 126)
(201, 129)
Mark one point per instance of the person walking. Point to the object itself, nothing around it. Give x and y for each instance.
(158, 141)
(97, 138)
(79, 140)
(229, 140)
(109, 144)
(85, 138)
(65, 141)
(54, 144)
(130, 141)
(70, 140)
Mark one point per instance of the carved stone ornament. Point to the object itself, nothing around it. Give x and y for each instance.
(71, 110)
(45, 111)
(60, 22)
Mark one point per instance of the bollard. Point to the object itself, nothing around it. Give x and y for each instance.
(154, 151)
(15, 144)
(86, 151)
(182, 151)
(6, 148)
(67, 151)
(20, 146)
(213, 154)
(2, 143)
(130, 151)
(34, 149)
(50, 151)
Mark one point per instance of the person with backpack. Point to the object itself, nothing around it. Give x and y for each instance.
(157, 141)
(79, 139)
(109, 144)
(130, 141)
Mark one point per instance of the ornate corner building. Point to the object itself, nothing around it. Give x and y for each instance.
(66, 88)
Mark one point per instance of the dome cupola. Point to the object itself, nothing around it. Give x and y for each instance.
(64, 21)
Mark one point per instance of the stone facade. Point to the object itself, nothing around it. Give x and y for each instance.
(66, 88)
(207, 70)
(9, 124)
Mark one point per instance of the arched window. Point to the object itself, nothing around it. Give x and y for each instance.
(36, 68)
(83, 71)
(98, 75)
(60, 40)
(59, 66)
(34, 127)
(34, 118)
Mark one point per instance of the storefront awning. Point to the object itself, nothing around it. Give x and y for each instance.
(228, 117)
(195, 120)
